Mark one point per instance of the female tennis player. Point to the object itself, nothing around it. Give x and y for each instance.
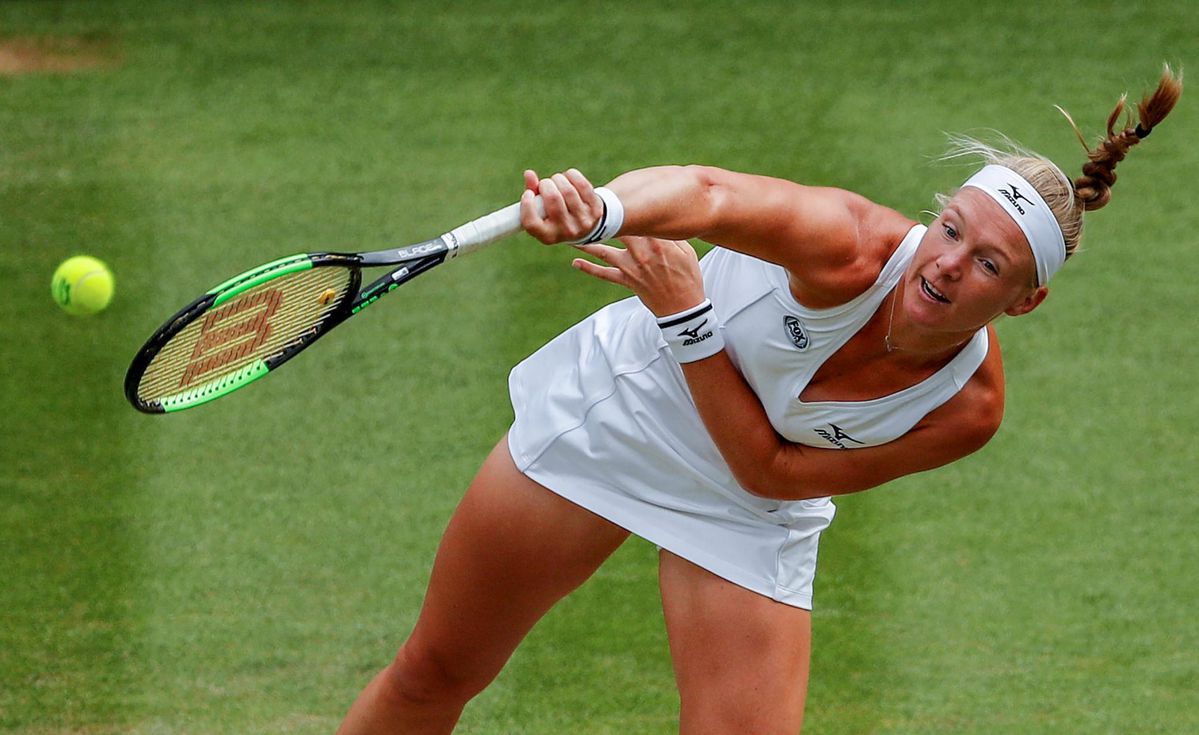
(827, 346)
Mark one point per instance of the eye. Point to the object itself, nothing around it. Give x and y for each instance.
(989, 266)
(950, 231)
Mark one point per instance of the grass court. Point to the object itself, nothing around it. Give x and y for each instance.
(246, 566)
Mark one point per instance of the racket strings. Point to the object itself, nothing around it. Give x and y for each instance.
(263, 322)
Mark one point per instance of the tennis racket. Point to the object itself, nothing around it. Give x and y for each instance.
(252, 323)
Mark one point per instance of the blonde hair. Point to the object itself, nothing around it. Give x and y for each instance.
(1069, 199)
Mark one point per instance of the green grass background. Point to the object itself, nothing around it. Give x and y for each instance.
(245, 567)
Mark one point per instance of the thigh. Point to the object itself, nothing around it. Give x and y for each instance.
(511, 550)
(741, 659)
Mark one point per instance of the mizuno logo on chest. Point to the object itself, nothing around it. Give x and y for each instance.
(837, 437)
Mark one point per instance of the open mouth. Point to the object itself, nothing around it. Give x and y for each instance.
(932, 292)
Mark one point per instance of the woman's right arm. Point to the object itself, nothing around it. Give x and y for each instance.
(822, 236)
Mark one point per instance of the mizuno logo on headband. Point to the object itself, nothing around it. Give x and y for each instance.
(1015, 196)
(1029, 211)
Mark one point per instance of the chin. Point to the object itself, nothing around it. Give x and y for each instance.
(943, 318)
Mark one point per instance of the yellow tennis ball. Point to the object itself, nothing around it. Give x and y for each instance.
(82, 285)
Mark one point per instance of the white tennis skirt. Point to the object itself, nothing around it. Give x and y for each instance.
(604, 419)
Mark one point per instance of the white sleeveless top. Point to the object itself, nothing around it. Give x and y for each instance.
(778, 344)
(604, 418)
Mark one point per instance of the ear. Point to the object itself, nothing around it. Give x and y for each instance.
(1029, 302)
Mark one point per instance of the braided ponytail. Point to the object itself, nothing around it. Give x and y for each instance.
(1094, 188)
(1069, 199)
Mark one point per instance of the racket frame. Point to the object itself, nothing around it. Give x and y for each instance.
(412, 260)
(352, 301)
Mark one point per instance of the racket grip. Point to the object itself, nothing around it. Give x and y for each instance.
(485, 230)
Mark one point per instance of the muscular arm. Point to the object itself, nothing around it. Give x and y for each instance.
(816, 233)
(768, 465)
(680, 202)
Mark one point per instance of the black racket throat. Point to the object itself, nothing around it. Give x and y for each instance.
(410, 254)
(391, 281)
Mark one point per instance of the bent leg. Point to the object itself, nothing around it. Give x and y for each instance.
(511, 550)
(741, 659)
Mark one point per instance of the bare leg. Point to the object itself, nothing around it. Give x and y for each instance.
(512, 550)
(741, 659)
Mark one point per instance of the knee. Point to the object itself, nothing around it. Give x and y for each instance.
(423, 676)
(732, 714)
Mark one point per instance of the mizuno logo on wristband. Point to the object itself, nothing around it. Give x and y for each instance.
(693, 336)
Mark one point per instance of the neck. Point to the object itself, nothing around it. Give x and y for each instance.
(904, 337)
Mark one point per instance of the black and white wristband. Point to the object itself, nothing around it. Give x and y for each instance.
(610, 221)
(693, 334)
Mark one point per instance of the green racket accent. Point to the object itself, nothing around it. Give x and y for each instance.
(371, 296)
(263, 273)
(256, 321)
(273, 313)
(215, 389)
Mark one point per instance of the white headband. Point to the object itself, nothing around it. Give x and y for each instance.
(1024, 205)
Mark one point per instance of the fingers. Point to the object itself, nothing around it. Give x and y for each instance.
(531, 220)
(686, 247)
(531, 180)
(572, 208)
(611, 275)
(645, 241)
(566, 208)
(645, 249)
(603, 252)
(665, 274)
(639, 249)
(616, 260)
(555, 205)
(586, 191)
(570, 194)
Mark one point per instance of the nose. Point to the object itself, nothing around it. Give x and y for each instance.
(950, 262)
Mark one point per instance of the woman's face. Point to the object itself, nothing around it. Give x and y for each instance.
(972, 265)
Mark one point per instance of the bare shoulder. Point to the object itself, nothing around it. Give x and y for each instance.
(833, 242)
(878, 232)
(973, 415)
(836, 264)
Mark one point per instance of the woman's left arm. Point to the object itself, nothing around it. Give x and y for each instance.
(665, 275)
(768, 465)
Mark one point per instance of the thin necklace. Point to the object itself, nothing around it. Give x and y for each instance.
(891, 322)
(891, 346)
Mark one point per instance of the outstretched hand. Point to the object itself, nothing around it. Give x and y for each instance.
(664, 274)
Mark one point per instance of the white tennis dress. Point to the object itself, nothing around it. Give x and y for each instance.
(605, 419)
